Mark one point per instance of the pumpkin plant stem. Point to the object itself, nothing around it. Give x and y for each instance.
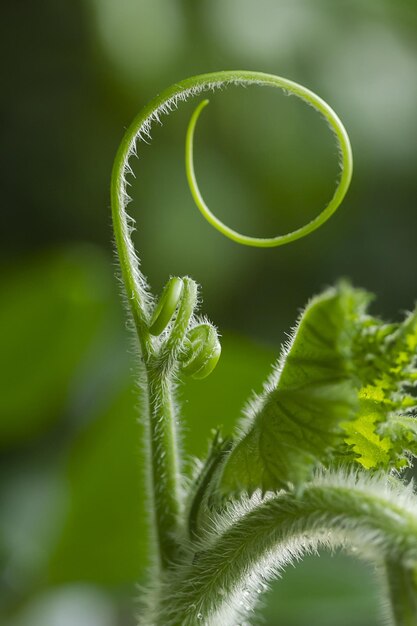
(165, 463)
(402, 588)
(166, 489)
(332, 511)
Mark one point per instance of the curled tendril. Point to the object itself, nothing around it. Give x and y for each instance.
(269, 242)
(137, 289)
(203, 351)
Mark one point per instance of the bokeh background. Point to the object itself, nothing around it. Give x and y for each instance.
(72, 506)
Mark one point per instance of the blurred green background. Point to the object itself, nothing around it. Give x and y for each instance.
(72, 505)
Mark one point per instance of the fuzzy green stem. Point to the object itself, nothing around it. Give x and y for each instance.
(165, 452)
(201, 489)
(221, 583)
(165, 465)
(402, 588)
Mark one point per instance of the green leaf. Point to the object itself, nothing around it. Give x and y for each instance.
(384, 434)
(296, 423)
(342, 392)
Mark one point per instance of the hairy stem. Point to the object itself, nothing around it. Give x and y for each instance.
(165, 465)
(402, 587)
(221, 582)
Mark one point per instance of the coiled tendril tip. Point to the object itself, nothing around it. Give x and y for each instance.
(135, 282)
(203, 351)
(279, 240)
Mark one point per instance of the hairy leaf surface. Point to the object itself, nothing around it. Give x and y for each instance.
(297, 421)
(341, 392)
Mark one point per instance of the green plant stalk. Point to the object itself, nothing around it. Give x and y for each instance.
(166, 473)
(402, 589)
(166, 466)
(331, 512)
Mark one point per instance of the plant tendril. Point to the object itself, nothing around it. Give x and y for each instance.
(270, 242)
(137, 289)
(203, 352)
